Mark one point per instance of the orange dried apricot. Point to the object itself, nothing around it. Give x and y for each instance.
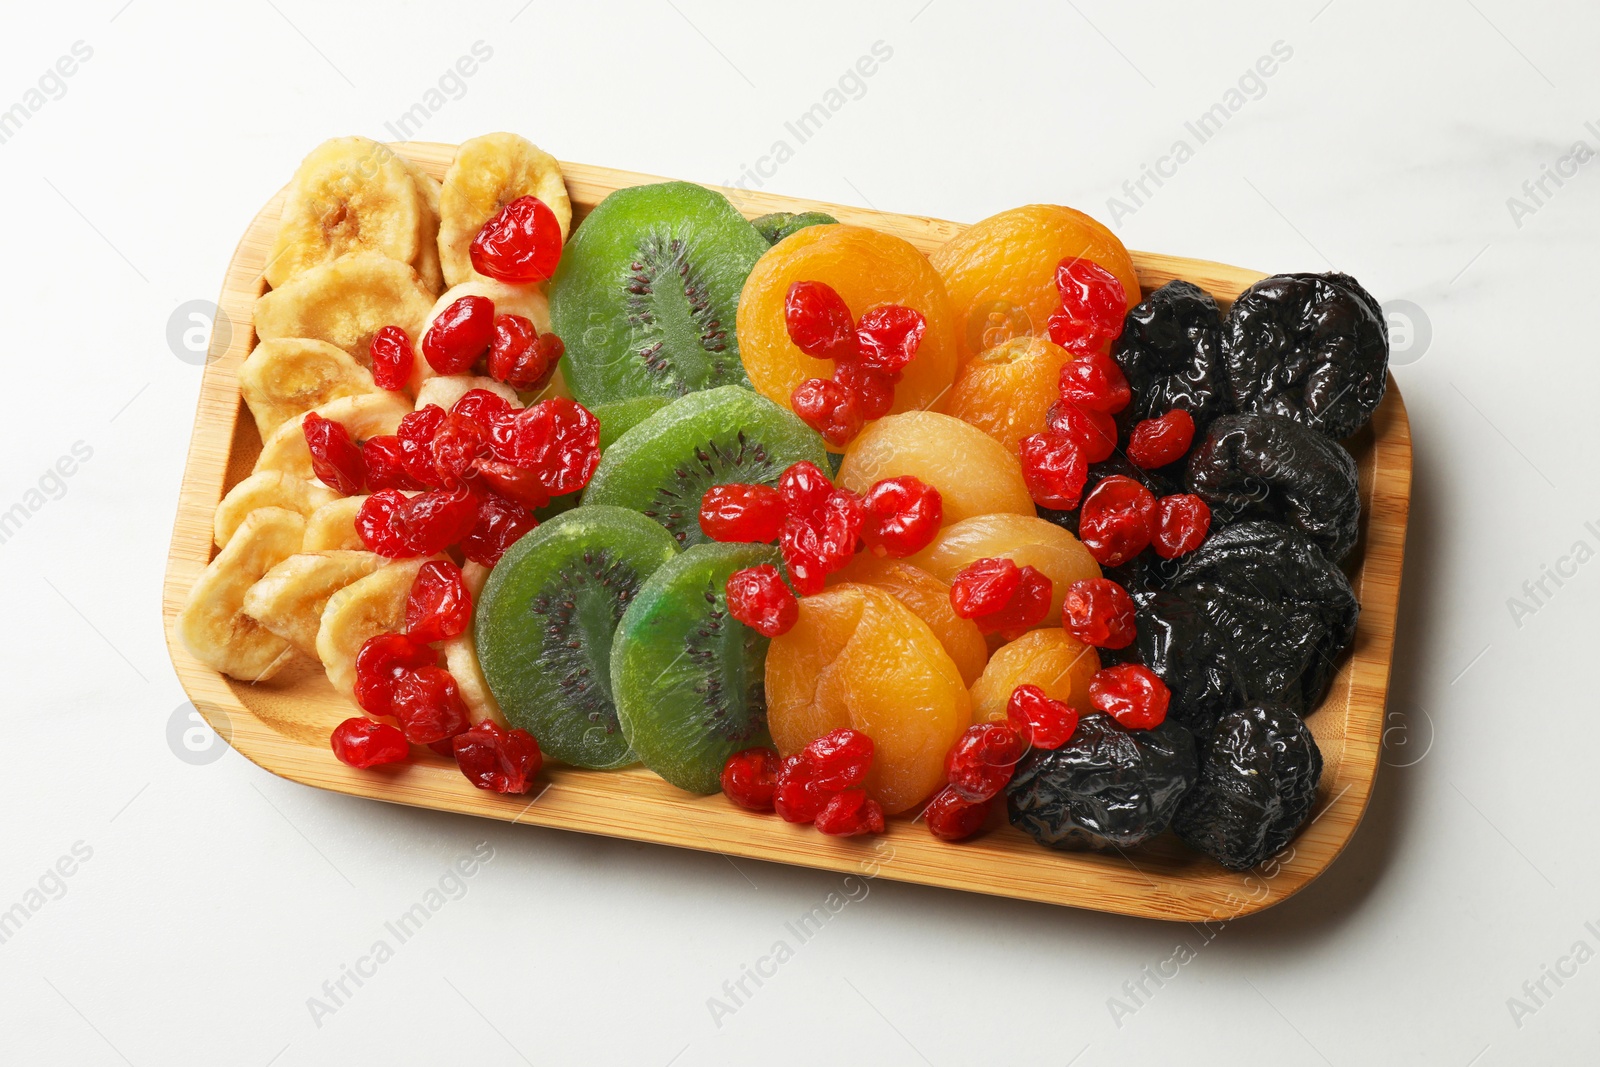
(859, 658)
(929, 599)
(1006, 391)
(1000, 273)
(867, 268)
(1024, 539)
(1051, 659)
(973, 472)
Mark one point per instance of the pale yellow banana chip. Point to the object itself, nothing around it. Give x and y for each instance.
(289, 599)
(332, 527)
(461, 657)
(364, 415)
(445, 389)
(427, 261)
(213, 624)
(350, 194)
(288, 376)
(529, 301)
(360, 611)
(345, 302)
(488, 173)
(267, 489)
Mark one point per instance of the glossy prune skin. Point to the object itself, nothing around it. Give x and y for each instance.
(1313, 347)
(1271, 467)
(1108, 787)
(1257, 613)
(1171, 352)
(1259, 769)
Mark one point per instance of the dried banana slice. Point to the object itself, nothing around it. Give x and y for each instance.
(212, 622)
(461, 657)
(289, 599)
(488, 173)
(427, 261)
(365, 415)
(267, 489)
(288, 376)
(360, 611)
(445, 389)
(345, 302)
(526, 300)
(350, 194)
(332, 527)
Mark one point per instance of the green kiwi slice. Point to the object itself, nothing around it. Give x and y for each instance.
(780, 224)
(647, 293)
(664, 465)
(689, 679)
(545, 623)
(620, 416)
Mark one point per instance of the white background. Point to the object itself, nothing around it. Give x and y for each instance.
(218, 898)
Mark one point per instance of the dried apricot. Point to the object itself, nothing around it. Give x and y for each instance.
(973, 472)
(1024, 539)
(859, 658)
(1051, 659)
(929, 599)
(1000, 273)
(1006, 391)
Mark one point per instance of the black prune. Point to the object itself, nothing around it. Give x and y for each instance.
(1171, 352)
(1313, 347)
(1107, 787)
(1257, 613)
(1271, 467)
(1259, 768)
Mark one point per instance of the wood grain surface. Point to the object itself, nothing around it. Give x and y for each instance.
(283, 725)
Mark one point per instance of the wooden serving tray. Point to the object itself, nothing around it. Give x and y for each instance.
(283, 725)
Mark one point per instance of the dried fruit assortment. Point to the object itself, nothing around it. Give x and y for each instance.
(789, 511)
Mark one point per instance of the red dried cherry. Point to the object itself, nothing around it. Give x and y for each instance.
(752, 514)
(952, 817)
(392, 358)
(1054, 468)
(803, 556)
(520, 245)
(850, 813)
(428, 705)
(819, 322)
(363, 743)
(750, 778)
(435, 520)
(902, 516)
(984, 586)
(1182, 522)
(1042, 721)
(484, 407)
(828, 408)
(439, 606)
(1132, 694)
(1157, 442)
(457, 443)
(1094, 381)
(498, 526)
(382, 661)
(1094, 430)
(983, 759)
(839, 760)
(1093, 304)
(805, 489)
(385, 462)
(796, 797)
(559, 439)
(512, 482)
(1099, 612)
(758, 598)
(872, 392)
(496, 759)
(887, 338)
(460, 335)
(1117, 520)
(1026, 610)
(416, 443)
(334, 456)
(379, 524)
(520, 355)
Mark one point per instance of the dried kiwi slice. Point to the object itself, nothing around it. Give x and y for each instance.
(545, 623)
(619, 417)
(689, 679)
(648, 291)
(664, 465)
(780, 224)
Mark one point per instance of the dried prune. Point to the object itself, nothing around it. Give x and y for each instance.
(1259, 768)
(1313, 347)
(1171, 352)
(1271, 467)
(1106, 787)
(1257, 613)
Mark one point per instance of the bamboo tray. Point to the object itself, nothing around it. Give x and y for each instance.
(283, 725)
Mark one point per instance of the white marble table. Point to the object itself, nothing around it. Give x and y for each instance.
(180, 911)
